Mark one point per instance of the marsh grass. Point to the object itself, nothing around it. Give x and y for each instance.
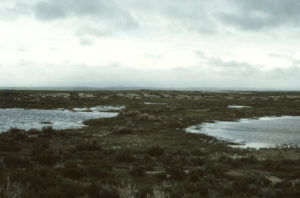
(11, 190)
(86, 163)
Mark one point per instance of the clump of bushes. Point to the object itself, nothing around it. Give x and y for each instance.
(121, 130)
(89, 146)
(250, 160)
(71, 170)
(138, 171)
(47, 131)
(17, 134)
(124, 156)
(215, 169)
(9, 146)
(128, 190)
(197, 161)
(190, 189)
(155, 151)
(11, 190)
(250, 184)
(14, 130)
(98, 170)
(196, 175)
(176, 172)
(13, 161)
(43, 154)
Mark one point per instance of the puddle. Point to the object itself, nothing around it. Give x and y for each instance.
(58, 119)
(100, 108)
(254, 133)
(151, 103)
(237, 107)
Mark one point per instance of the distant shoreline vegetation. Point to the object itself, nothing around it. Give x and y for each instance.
(133, 88)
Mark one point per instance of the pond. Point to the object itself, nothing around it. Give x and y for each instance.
(58, 119)
(254, 133)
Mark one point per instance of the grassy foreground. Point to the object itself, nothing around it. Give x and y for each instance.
(145, 152)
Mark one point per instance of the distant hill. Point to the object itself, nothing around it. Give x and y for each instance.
(124, 88)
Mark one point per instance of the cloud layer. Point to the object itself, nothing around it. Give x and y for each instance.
(170, 43)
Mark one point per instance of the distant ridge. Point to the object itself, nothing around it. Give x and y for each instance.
(124, 88)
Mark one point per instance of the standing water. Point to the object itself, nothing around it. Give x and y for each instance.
(255, 133)
(58, 119)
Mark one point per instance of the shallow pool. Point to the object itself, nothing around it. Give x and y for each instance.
(59, 119)
(238, 107)
(255, 133)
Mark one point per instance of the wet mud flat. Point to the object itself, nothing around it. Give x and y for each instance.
(147, 144)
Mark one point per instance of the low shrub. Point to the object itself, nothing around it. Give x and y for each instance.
(124, 156)
(250, 184)
(48, 130)
(216, 170)
(14, 161)
(9, 146)
(137, 171)
(97, 171)
(89, 146)
(11, 190)
(155, 151)
(197, 161)
(44, 155)
(176, 172)
(72, 171)
(196, 175)
(121, 130)
(14, 130)
(250, 160)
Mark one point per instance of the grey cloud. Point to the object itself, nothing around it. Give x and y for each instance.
(260, 14)
(117, 74)
(55, 9)
(282, 56)
(94, 9)
(194, 15)
(296, 63)
(180, 69)
(235, 70)
(26, 63)
(200, 54)
(91, 17)
(10, 10)
(219, 62)
(93, 31)
(49, 11)
(205, 16)
(96, 18)
(85, 42)
(156, 56)
(191, 15)
(274, 55)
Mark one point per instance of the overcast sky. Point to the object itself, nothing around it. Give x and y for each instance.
(152, 43)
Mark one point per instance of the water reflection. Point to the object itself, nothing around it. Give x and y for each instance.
(237, 106)
(59, 119)
(255, 133)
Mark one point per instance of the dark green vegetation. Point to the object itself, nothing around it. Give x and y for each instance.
(147, 144)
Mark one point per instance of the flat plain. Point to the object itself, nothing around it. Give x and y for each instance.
(145, 149)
